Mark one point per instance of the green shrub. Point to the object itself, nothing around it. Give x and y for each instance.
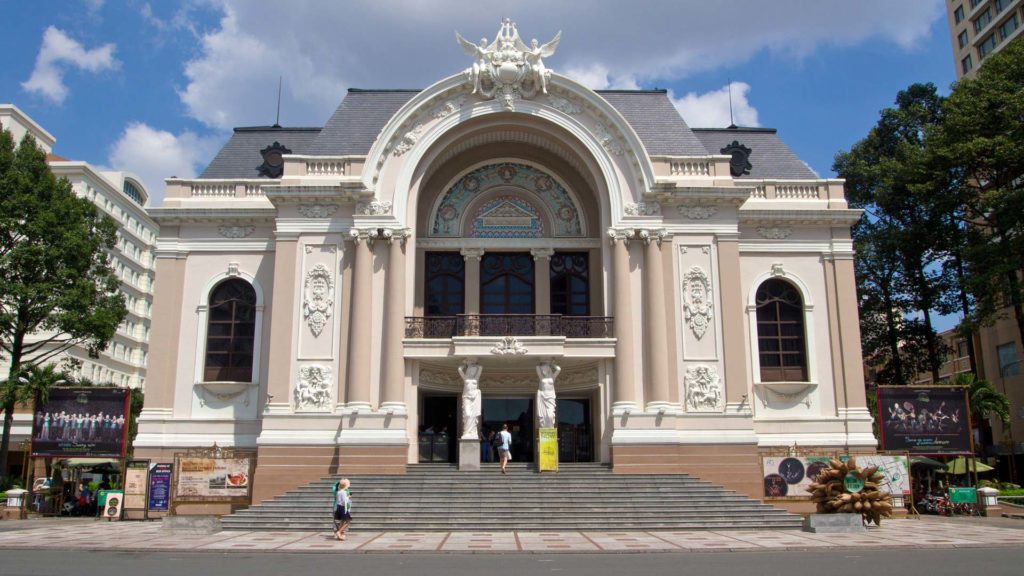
(1012, 492)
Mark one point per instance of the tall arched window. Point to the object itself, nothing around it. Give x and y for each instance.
(231, 332)
(781, 340)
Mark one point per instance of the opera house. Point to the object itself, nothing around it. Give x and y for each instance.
(392, 286)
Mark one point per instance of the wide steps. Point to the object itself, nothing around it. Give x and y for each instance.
(579, 497)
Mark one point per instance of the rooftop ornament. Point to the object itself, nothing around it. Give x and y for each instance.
(507, 68)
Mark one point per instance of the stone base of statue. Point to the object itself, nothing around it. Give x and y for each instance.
(841, 523)
(469, 454)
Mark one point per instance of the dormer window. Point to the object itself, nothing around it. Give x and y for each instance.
(273, 160)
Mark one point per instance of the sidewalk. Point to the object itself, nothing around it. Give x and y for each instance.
(88, 534)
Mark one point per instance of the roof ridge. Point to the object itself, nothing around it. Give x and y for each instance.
(738, 129)
(277, 129)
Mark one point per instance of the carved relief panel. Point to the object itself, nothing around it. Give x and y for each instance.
(698, 309)
(317, 300)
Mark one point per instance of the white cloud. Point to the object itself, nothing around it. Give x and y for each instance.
(711, 109)
(157, 154)
(58, 53)
(321, 48)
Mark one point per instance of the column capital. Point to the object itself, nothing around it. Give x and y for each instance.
(624, 234)
(652, 234)
(358, 235)
(539, 253)
(396, 234)
(476, 253)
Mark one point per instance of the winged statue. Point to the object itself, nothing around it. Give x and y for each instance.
(481, 55)
(535, 55)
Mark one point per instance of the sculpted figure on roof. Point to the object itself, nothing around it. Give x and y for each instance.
(507, 68)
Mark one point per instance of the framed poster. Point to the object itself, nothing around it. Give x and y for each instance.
(81, 423)
(925, 420)
(160, 487)
(213, 475)
(136, 484)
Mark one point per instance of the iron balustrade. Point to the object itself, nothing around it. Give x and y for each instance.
(508, 325)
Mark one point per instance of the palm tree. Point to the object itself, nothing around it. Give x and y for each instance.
(985, 400)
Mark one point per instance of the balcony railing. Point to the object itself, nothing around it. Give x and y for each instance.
(508, 325)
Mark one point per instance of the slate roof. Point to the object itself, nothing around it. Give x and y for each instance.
(358, 120)
(768, 155)
(240, 157)
(360, 117)
(656, 121)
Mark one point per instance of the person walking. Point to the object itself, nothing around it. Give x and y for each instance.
(342, 508)
(505, 447)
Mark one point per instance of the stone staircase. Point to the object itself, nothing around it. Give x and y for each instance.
(579, 497)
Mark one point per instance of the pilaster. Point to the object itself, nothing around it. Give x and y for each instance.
(358, 397)
(655, 342)
(623, 398)
(542, 279)
(393, 397)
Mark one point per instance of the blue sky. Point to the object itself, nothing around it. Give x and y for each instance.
(152, 87)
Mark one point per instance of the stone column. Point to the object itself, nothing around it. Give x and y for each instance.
(655, 337)
(168, 296)
(542, 279)
(623, 397)
(393, 394)
(282, 325)
(358, 396)
(733, 328)
(472, 257)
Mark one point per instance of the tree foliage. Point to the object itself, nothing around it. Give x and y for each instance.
(58, 287)
(899, 238)
(979, 145)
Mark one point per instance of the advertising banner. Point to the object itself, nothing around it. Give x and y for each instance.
(81, 423)
(548, 449)
(926, 420)
(789, 476)
(160, 487)
(209, 478)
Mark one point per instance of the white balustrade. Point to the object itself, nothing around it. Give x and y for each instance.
(690, 168)
(213, 189)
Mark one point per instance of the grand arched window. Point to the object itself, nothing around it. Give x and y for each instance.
(231, 332)
(781, 341)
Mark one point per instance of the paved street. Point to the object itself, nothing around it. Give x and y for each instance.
(928, 532)
(847, 562)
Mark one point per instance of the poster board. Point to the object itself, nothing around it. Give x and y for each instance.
(548, 452)
(790, 476)
(160, 487)
(213, 475)
(136, 485)
(925, 420)
(81, 423)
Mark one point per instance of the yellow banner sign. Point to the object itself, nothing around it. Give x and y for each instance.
(548, 449)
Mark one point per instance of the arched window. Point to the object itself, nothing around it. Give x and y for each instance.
(231, 332)
(506, 283)
(781, 340)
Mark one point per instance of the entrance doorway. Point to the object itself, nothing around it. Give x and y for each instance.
(518, 414)
(439, 426)
(575, 432)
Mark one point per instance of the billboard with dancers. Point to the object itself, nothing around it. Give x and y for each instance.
(81, 423)
(926, 420)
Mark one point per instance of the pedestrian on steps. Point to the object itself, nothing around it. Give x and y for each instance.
(504, 447)
(342, 508)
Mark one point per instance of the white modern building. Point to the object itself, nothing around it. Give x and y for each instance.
(123, 197)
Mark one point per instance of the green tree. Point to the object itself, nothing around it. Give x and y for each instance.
(58, 288)
(980, 143)
(889, 175)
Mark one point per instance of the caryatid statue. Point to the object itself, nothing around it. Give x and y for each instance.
(547, 372)
(470, 372)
